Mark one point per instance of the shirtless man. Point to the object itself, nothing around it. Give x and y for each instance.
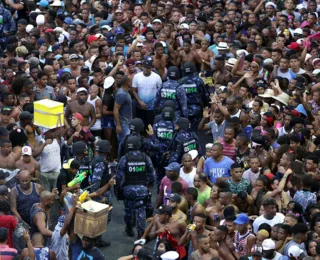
(74, 67)
(218, 242)
(7, 157)
(27, 162)
(162, 223)
(160, 59)
(83, 107)
(199, 232)
(188, 55)
(195, 206)
(220, 76)
(205, 54)
(204, 252)
(26, 122)
(177, 214)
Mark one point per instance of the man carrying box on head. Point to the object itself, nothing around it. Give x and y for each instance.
(82, 107)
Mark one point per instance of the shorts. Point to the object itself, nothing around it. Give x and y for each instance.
(108, 122)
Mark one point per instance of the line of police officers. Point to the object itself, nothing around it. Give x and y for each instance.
(142, 159)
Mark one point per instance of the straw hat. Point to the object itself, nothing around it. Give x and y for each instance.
(267, 94)
(283, 98)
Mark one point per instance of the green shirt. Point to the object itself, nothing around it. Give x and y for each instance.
(203, 196)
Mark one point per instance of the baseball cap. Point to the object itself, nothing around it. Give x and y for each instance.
(77, 116)
(106, 27)
(184, 26)
(110, 37)
(82, 90)
(43, 3)
(157, 21)
(40, 42)
(297, 31)
(3, 175)
(139, 44)
(209, 146)
(294, 46)
(85, 68)
(241, 219)
(118, 30)
(315, 61)
(294, 251)
(25, 115)
(74, 56)
(147, 61)
(56, 47)
(26, 150)
(194, 154)
(67, 164)
(256, 250)
(130, 62)
(174, 166)
(108, 82)
(118, 11)
(58, 57)
(68, 20)
(175, 197)
(164, 209)
(6, 110)
(92, 38)
(268, 244)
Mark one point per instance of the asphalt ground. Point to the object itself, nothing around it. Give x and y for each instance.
(121, 244)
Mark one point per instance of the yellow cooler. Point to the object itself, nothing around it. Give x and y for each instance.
(48, 113)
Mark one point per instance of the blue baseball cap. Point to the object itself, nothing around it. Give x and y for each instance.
(56, 47)
(174, 166)
(58, 57)
(110, 37)
(301, 109)
(66, 70)
(43, 3)
(147, 61)
(241, 219)
(119, 30)
(68, 20)
(40, 42)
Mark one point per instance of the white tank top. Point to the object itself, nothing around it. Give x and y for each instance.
(97, 124)
(236, 114)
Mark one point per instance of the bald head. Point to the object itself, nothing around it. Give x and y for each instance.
(48, 69)
(24, 174)
(45, 195)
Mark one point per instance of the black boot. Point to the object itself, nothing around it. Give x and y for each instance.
(129, 230)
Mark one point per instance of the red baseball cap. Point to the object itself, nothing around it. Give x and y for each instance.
(92, 38)
(294, 46)
(77, 116)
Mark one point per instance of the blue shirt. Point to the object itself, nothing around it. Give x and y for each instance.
(216, 170)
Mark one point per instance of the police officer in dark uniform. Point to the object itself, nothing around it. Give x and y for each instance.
(150, 145)
(167, 103)
(194, 88)
(184, 141)
(164, 131)
(80, 152)
(101, 174)
(134, 174)
(171, 90)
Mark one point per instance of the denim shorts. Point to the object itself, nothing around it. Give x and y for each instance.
(108, 122)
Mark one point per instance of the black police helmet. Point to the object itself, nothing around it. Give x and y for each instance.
(136, 125)
(133, 143)
(170, 103)
(189, 68)
(173, 72)
(168, 113)
(79, 148)
(103, 146)
(183, 123)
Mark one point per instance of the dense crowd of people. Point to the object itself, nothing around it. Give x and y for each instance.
(214, 105)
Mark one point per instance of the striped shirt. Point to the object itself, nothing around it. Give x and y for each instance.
(7, 253)
(229, 150)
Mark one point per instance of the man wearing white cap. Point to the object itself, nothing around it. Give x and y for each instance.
(83, 107)
(27, 162)
(269, 250)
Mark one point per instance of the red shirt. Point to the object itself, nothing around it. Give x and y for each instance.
(229, 150)
(165, 187)
(9, 222)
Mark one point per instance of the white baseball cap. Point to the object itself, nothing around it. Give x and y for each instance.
(170, 255)
(108, 82)
(268, 244)
(294, 251)
(26, 150)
